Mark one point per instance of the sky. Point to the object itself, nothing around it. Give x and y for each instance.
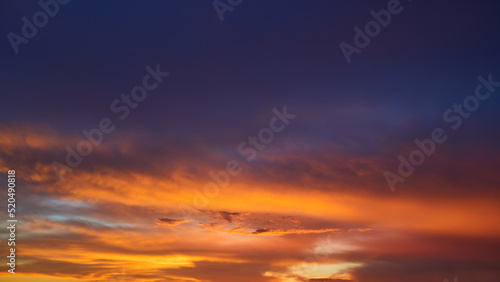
(250, 140)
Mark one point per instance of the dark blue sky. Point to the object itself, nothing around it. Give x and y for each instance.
(261, 56)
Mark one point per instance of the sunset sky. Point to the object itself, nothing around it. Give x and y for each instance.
(255, 150)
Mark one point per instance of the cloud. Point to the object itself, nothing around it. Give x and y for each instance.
(255, 224)
(170, 222)
(224, 272)
(228, 215)
(267, 219)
